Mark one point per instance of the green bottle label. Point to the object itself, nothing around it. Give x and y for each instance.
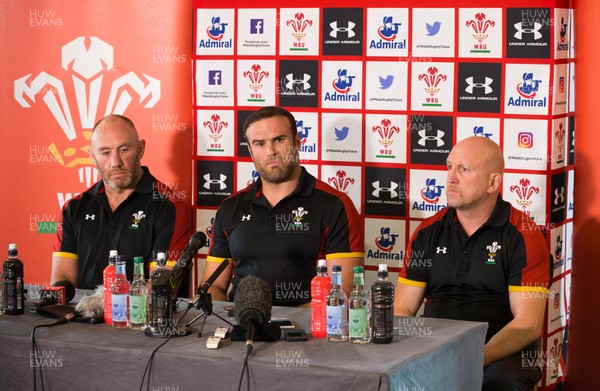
(358, 325)
(137, 309)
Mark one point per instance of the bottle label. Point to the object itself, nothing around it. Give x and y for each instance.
(137, 309)
(358, 324)
(335, 319)
(119, 307)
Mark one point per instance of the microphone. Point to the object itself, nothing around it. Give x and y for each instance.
(168, 283)
(252, 305)
(202, 290)
(61, 292)
(69, 289)
(89, 308)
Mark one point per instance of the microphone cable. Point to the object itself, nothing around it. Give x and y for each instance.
(34, 352)
(246, 368)
(149, 364)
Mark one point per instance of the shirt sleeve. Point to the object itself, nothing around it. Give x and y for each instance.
(412, 272)
(530, 268)
(66, 244)
(219, 246)
(345, 234)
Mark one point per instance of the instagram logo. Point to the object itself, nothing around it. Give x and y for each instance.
(525, 139)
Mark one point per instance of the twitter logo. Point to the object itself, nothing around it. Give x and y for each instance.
(341, 134)
(433, 29)
(386, 82)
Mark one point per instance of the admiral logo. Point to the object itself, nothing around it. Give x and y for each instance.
(215, 33)
(492, 250)
(385, 243)
(303, 132)
(342, 86)
(256, 76)
(480, 26)
(527, 90)
(253, 177)
(215, 127)
(431, 196)
(387, 35)
(558, 253)
(386, 132)
(299, 25)
(563, 44)
(479, 131)
(432, 80)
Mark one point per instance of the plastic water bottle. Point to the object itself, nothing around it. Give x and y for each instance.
(108, 277)
(319, 288)
(120, 295)
(13, 297)
(337, 310)
(160, 305)
(382, 311)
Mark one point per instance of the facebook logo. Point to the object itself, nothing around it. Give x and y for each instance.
(214, 78)
(256, 26)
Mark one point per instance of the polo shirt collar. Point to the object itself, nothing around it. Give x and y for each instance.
(305, 187)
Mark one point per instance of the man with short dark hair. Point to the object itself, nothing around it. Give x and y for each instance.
(128, 211)
(477, 261)
(279, 227)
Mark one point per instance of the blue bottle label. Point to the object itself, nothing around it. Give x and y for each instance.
(335, 319)
(119, 308)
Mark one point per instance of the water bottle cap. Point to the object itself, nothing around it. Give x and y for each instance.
(161, 256)
(12, 246)
(138, 259)
(336, 268)
(358, 269)
(113, 253)
(383, 267)
(321, 262)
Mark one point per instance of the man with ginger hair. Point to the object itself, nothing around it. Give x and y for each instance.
(482, 264)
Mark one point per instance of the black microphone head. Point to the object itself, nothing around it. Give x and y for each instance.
(252, 301)
(69, 289)
(198, 240)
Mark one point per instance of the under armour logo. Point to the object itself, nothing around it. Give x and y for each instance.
(90, 217)
(209, 181)
(425, 137)
(246, 217)
(440, 250)
(291, 81)
(391, 190)
(485, 86)
(535, 31)
(348, 30)
(559, 195)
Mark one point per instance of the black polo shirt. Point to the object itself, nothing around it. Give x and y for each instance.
(469, 278)
(282, 244)
(150, 220)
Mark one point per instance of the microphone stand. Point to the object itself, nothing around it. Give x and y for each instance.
(205, 304)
